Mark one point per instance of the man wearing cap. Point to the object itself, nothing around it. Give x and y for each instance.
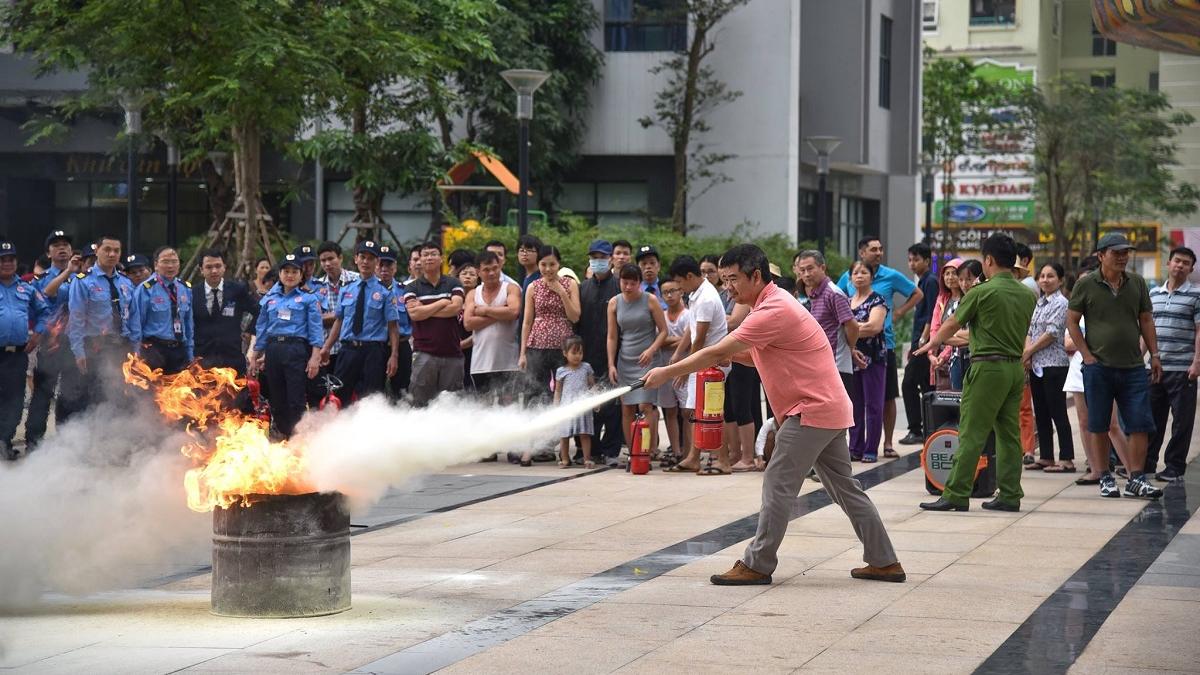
(98, 316)
(433, 301)
(21, 305)
(136, 267)
(389, 258)
(999, 311)
(160, 323)
(1118, 310)
(648, 262)
(594, 294)
(287, 344)
(367, 329)
(218, 314)
(55, 363)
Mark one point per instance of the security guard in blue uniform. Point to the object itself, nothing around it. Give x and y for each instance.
(21, 305)
(55, 378)
(367, 325)
(389, 257)
(98, 313)
(287, 344)
(161, 323)
(307, 257)
(137, 267)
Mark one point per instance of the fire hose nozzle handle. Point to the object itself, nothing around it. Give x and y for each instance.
(637, 385)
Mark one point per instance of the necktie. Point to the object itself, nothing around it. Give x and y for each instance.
(175, 324)
(116, 303)
(359, 306)
(215, 308)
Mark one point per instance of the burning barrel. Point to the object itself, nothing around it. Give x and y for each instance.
(282, 556)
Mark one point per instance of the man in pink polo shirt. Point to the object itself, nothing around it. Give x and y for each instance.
(793, 356)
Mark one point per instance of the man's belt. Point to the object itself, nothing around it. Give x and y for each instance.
(994, 357)
(288, 339)
(159, 342)
(363, 343)
(12, 349)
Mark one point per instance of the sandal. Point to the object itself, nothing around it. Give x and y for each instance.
(526, 462)
(589, 464)
(1087, 481)
(712, 471)
(889, 453)
(871, 459)
(1038, 466)
(1028, 459)
(1059, 468)
(678, 468)
(563, 465)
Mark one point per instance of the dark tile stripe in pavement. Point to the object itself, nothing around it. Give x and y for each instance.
(507, 624)
(438, 493)
(1060, 629)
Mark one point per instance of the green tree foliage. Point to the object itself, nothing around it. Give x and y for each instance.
(1102, 153)
(692, 91)
(550, 35)
(954, 100)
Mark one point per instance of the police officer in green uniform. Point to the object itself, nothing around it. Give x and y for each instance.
(999, 311)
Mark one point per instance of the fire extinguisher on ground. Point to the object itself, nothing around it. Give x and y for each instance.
(331, 400)
(639, 451)
(708, 429)
(258, 404)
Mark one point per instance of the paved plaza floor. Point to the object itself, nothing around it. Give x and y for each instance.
(491, 568)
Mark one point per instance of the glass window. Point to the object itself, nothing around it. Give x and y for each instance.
(1101, 45)
(578, 198)
(850, 229)
(993, 12)
(1104, 80)
(929, 16)
(627, 197)
(885, 62)
(1153, 85)
(808, 215)
(645, 25)
(71, 195)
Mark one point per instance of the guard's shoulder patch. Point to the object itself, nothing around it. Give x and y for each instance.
(188, 284)
(149, 283)
(80, 275)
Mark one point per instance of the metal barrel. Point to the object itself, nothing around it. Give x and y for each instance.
(283, 556)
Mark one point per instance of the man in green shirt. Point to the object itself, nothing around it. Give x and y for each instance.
(1117, 307)
(999, 311)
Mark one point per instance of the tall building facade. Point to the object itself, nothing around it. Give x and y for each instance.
(1038, 41)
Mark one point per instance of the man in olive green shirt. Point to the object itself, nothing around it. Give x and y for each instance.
(1117, 307)
(999, 311)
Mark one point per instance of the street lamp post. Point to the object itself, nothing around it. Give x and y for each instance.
(823, 146)
(928, 167)
(524, 82)
(132, 103)
(172, 193)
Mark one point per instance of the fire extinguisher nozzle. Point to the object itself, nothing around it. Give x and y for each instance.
(637, 385)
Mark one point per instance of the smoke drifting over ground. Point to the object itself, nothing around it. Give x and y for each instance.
(99, 505)
(365, 449)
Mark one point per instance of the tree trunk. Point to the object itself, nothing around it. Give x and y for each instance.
(221, 190)
(683, 133)
(247, 163)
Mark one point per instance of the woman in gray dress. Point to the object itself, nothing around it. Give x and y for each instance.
(637, 330)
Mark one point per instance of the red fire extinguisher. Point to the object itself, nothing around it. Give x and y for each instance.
(331, 400)
(639, 451)
(261, 410)
(709, 422)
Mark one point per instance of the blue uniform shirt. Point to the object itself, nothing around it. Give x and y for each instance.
(887, 283)
(654, 289)
(56, 321)
(405, 324)
(294, 314)
(151, 315)
(90, 307)
(321, 290)
(379, 310)
(21, 303)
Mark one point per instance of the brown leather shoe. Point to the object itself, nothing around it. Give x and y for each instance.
(893, 573)
(740, 575)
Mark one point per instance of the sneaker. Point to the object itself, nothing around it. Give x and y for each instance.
(1169, 475)
(1108, 486)
(1141, 488)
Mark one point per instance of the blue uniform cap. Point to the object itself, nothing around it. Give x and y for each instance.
(89, 251)
(304, 253)
(7, 249)
(386, 252)
(601, 246)
(645, 252)
(367, 246)
(57, 235)
(291, 260)
(135, 260)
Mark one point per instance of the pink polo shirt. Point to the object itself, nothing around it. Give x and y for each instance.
(794, 360)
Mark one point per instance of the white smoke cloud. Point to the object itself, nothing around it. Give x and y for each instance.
(99, 505)
(366, 449)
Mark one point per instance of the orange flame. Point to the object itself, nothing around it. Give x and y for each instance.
(237, 465)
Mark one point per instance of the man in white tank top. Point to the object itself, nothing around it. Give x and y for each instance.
(491, 312)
